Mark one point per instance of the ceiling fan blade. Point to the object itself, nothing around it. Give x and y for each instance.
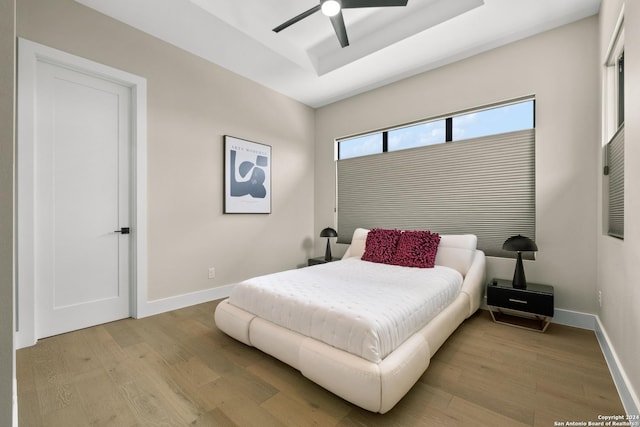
(353, 4)
(296, 19)
(341, 31)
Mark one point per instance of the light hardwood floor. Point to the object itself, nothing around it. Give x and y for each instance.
(178, 369)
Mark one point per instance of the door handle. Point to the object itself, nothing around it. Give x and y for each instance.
(123, 230)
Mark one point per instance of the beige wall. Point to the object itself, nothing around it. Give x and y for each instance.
(7, 66)
(560, 68)
(618, 260)
(191, 105)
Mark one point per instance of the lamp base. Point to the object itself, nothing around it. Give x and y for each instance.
(519, 281)
(327, 252)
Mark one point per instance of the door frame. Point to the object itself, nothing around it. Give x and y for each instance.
(29, 54)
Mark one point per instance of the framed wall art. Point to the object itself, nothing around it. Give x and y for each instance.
(247, 176)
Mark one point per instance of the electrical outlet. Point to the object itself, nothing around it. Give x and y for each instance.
(212, 272)
(600, 298)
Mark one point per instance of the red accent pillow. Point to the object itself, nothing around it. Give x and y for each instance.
(381, 245)
(417, 249)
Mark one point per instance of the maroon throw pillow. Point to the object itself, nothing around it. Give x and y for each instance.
(381, 245)
(417, 249)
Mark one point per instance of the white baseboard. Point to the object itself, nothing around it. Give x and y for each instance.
(180, 301)
(575, 319)
(629, 398)
(15, 402)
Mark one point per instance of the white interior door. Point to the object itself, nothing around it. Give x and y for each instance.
(82, 187)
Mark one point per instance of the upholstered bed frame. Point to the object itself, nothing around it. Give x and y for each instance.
(376, 387)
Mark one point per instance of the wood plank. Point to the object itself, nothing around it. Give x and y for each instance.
(213, 418)
(293, 412)
(78, 356)
(142, 399)
(104, 346)
(160, 375)
(300, 389)
(101, 401)
(469, 413)
(122, 333)
(29, 408)
(239, 386)
(196, 372)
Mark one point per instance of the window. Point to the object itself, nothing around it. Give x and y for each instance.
(484, 185)
(505, 118)
(620, 89)
(417, 135)
(613, 152)
(360, 146)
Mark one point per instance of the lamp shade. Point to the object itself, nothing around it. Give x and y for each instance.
(328, 232)
(519, 244)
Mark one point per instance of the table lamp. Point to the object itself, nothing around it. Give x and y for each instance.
(328, 233)
(519, 244)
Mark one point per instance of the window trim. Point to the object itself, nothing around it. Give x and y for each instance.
(448, 118)
(612, 127)
(614, 51)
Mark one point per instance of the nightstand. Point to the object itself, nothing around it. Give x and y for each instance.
(320, 260)
(530, 308)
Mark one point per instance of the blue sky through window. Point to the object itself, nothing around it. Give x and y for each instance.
(360, 146)
(417, 135)
(493, 121)
(497, 120)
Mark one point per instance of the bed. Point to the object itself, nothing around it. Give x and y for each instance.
(334, 322)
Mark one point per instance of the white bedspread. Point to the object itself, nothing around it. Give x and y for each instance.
(361, 307)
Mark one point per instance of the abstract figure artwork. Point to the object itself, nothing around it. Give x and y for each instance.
(247, 176)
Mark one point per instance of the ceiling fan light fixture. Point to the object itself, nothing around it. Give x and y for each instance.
(333, 10)
(331, 7)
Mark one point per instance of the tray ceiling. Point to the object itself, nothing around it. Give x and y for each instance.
(306, 62)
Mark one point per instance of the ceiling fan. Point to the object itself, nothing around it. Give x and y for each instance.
(333, 9)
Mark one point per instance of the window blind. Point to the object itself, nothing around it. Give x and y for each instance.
(484, 186)
(615, 171)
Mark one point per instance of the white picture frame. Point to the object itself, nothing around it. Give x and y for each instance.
(247, 176)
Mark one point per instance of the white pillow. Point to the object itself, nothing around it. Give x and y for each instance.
(358, 242)
(455, 250)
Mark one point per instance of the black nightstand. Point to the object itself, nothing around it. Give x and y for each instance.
(320, 260)
(530, 308)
